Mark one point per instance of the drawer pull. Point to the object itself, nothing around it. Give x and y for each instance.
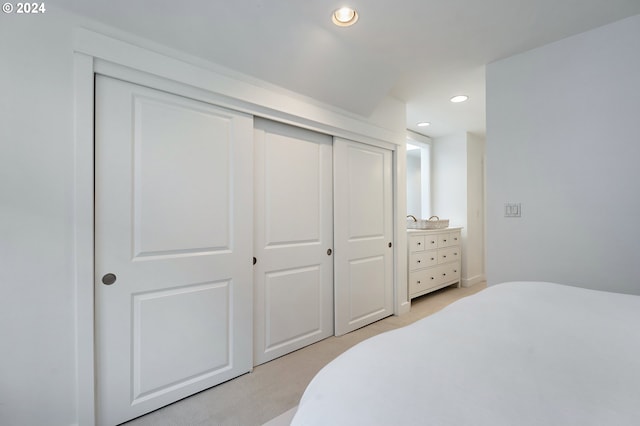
(444, 241)
(433, 258)
(455, 270)
(444, 275)
(444, 256)
(455, 254)
(418, 281)
(432, 278)
(433, 242)
(419, 243)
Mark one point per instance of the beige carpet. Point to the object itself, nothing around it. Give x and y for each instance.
(275, 387)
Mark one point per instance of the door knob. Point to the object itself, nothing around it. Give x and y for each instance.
(329, 252)
(109, 279)
(390, 244)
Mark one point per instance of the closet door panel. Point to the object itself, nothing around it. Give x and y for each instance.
(293, 231)
(363, 234)
(173, 291)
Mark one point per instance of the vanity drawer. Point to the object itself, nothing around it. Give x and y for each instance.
(449, 254)
(449, 239)
(449, 273)
(425, 279)
(431, 242)
(416, 243)
(423, 259)
(453, 272)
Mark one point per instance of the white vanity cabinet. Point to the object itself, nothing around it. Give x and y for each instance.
(434, 259)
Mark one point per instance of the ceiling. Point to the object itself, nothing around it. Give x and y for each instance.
(422, 52)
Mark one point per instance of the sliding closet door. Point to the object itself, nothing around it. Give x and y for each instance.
(293, 239)
(363, 234)
(173, 248)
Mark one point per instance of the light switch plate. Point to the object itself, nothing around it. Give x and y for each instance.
(512, 210)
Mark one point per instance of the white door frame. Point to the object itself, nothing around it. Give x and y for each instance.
(96, 53)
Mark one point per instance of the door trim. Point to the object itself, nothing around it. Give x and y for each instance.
(84, 237)
(232, 90)
(188, 76)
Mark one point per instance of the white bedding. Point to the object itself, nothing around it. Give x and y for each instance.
(525, 353)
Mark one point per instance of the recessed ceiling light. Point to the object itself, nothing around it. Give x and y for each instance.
(459, 98)
(344, 17)
(423, 124)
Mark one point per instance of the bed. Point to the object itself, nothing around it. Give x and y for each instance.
(520, 353)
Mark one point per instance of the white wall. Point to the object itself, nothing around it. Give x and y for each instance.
(37, 368)
(457, 195)
(563, 139)
(475, 244)
(37, 306)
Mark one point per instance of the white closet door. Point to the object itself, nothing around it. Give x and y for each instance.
(363, 234)
(293, 236)
(173, 226)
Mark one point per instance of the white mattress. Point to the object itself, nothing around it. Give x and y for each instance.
(525, 353)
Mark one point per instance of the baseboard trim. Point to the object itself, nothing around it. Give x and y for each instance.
(468, 282)
(404, 308)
